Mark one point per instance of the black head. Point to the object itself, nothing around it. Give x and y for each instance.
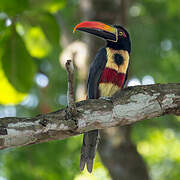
(123, 40)
(116, 36)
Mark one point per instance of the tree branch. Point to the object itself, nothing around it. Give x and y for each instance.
(128, 106)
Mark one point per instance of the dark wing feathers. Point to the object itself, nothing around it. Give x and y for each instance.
(90, 140)
(126, 76)
(96, 69)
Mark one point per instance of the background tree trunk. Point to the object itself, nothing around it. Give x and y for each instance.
(116, 149)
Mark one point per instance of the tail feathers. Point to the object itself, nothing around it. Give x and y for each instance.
(88, 150)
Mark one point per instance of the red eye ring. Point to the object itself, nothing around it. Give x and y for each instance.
(121, 33)
(124, 35)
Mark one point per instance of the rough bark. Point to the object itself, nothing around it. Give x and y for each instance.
(125, 107)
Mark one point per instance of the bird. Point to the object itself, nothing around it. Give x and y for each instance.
(108, 73)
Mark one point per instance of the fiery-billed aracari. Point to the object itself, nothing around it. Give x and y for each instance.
(108, 73)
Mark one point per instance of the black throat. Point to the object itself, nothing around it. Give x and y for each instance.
(122, 45)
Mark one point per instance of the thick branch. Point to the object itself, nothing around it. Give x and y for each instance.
(125, 107)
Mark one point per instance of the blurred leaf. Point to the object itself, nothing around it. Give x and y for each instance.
(2, 25)
(161, 149)
(51, 6)
(8, 95)
(35, 41)
(13, 7)
(48, 24)
(55, 6)
(173, 7)
(47, 161)
(17, 63)
(50, 27)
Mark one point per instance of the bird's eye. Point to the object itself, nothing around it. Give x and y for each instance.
(120, 33)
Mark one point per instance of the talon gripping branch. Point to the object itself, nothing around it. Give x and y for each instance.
(108, 73)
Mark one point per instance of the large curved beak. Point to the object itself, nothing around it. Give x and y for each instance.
(99, 29)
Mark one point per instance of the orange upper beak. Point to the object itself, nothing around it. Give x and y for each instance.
(99, 29)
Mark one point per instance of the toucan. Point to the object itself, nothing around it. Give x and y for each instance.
(107, 74)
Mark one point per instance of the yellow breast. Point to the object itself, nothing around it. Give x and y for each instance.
(110, 60)
(108, 89)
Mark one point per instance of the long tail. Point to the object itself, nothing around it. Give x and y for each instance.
(88, 149)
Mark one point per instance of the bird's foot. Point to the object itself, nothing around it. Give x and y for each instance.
(105, 98)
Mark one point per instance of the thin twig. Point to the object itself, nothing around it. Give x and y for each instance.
(70, 91)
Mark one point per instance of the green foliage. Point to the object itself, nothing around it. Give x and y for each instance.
(2, 25)
(48, 24)
(158, 142)
(35, 41)
(54, 160)
(155, 34)
(51, 6)
(13, 7)
(18, 65)
(17, 62)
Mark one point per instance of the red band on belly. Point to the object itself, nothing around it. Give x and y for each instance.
(112, 76)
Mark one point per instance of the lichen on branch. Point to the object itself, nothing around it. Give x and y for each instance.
(127, 106)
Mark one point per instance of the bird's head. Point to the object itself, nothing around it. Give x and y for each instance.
(116, 36)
